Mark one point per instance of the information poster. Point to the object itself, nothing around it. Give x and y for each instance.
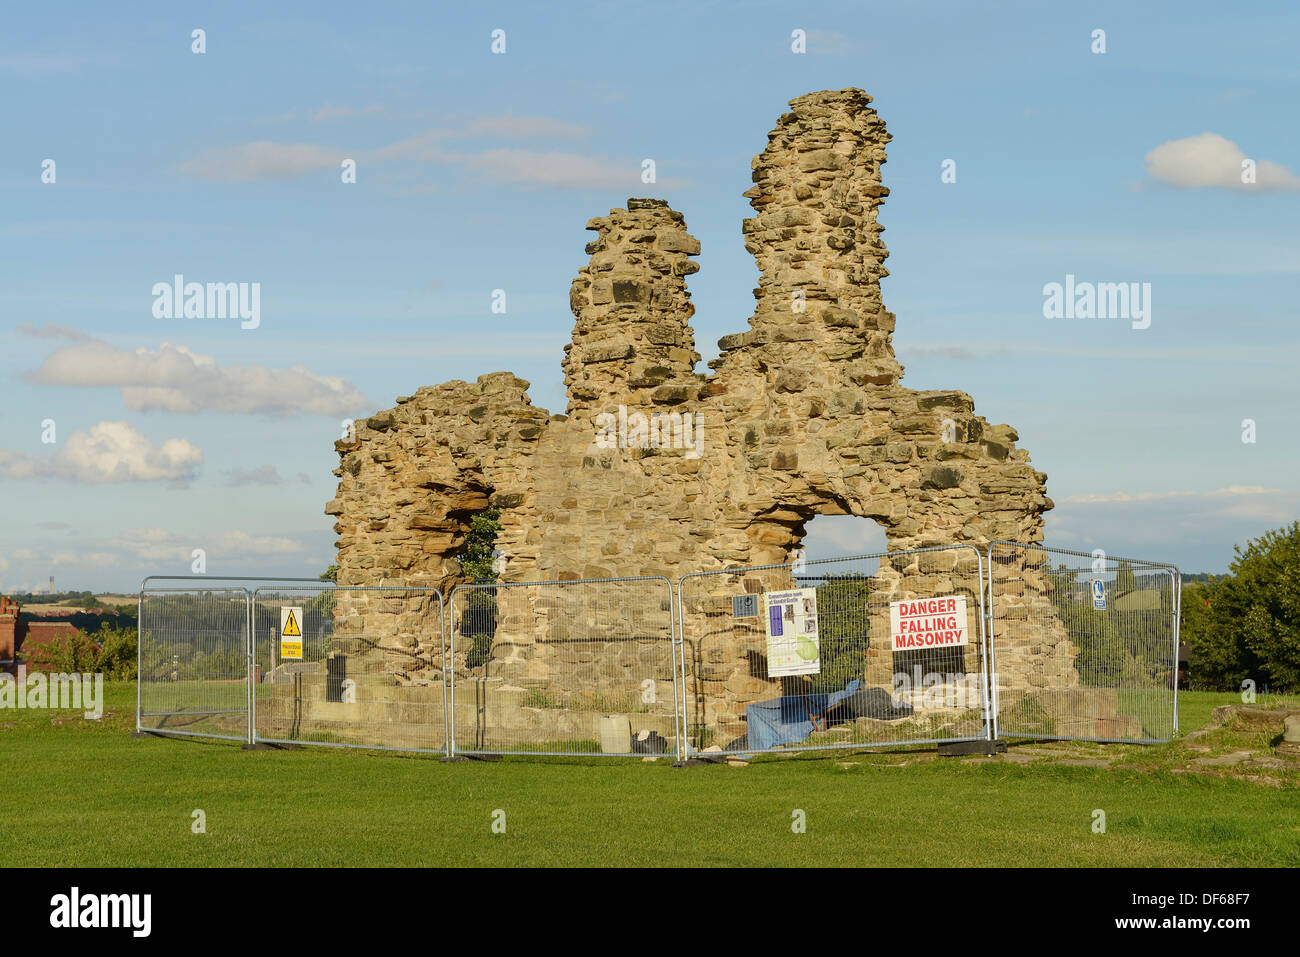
(793, 643)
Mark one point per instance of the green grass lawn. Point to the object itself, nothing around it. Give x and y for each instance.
(84, 793)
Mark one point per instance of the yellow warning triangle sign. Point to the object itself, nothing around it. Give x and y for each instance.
(291, 629)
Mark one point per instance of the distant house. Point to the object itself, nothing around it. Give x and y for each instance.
(8, 633)
(21, 632)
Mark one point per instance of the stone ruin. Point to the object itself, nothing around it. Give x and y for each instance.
(656, 468)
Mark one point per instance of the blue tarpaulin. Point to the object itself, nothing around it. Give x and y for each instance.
(789, 719)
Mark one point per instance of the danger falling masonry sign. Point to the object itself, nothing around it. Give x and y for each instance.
(928, 623)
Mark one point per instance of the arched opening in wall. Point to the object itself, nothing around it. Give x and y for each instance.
(855, 600)
(837, 593)
(835, 536)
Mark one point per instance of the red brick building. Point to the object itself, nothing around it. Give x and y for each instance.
(21, 634)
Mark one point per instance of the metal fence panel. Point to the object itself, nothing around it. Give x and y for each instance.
(1073, 659)
(895, 653)
(364, 670)
(567, 667)
(193, 661)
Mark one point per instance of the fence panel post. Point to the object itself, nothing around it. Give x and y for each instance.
(252, 690)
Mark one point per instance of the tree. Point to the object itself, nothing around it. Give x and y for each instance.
(321, 608)
(1254, 615)
(1215, 663)
(1247, 625)
(844, 625)
(479, 623)
(1124, 580)
(476, 557)
(110, 651)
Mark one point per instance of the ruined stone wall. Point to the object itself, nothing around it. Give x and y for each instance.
(802, 414)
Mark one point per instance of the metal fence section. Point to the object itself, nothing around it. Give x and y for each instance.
(922, 646)
(193, 661)
(349, 667)
(1082, 646)
(870, 650)
(565, 667)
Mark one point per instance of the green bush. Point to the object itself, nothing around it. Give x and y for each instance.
(118, 652)
(111, 651)
(476, 557)
(1248, 625)
(70, 654)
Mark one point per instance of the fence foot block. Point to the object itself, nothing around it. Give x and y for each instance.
(457, 758)
(958, 748)
(696, 762)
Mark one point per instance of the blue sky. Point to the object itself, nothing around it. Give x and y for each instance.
(477, 171)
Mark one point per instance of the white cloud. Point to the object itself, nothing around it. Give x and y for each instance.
(156, 544)
(50, 331)
(22, 465)
(1196, 530)
(241, 543)
(344, 112)
(108, 452)
(159, 544)
(561, 170)
(35, 65)
(1210, 160)
(523, 167)
(265, 160)
(94, 559)
(174, 379)
(263, 475)
(509, 125)
(935, 352)
(828, 43)
(1231, 491)
(262, 160)
(524, 127)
